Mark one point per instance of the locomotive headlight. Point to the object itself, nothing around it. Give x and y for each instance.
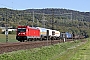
(23, 33)
(18, 33)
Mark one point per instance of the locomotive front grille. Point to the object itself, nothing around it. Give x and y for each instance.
(21, 37)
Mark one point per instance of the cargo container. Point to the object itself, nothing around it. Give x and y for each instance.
(68, 35)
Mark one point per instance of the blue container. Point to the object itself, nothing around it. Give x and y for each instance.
(68, 35)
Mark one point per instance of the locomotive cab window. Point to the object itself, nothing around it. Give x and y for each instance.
(21, 30)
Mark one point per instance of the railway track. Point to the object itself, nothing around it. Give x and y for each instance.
(9, 47)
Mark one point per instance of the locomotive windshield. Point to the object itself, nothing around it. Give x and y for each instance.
(21, 30)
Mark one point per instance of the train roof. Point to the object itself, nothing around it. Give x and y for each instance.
(27, 27)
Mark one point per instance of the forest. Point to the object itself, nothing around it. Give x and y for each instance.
(64, 20)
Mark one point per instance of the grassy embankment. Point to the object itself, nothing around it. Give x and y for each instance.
(52, 52)
(79, 53)
(82, 53)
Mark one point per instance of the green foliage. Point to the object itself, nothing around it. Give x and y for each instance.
(12, 32)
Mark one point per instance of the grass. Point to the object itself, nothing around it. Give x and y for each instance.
(45, 53)
(11, 38)
(83, 52)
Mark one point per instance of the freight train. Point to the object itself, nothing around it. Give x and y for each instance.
(35, 33)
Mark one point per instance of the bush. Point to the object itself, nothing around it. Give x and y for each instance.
(12, 32)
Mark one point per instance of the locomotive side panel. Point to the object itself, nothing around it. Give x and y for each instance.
(33, 32)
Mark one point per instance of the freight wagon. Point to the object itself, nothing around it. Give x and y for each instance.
(66, 35)
(44, 33)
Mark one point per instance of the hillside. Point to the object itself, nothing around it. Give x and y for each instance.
(17, 15)
(76, 15)
(59, 19)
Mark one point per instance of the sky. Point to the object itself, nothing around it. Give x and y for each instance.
(78, 5)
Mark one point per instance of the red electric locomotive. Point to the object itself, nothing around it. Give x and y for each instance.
(27, 33)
